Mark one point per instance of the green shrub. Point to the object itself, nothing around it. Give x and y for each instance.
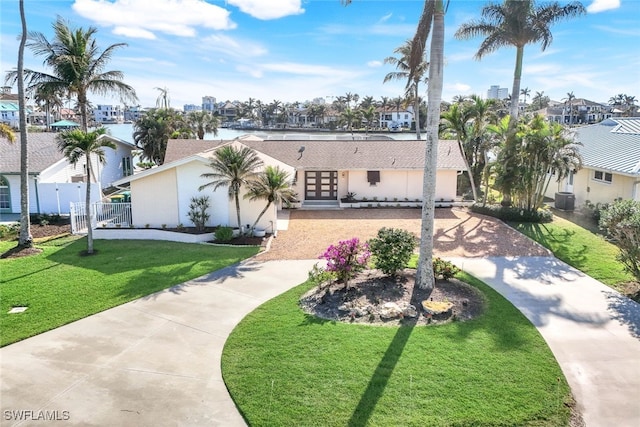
(198, 212)
(621, 221)
(511, 213)
(224, 234)
(444, 269)
(392, 249)
(9, 231)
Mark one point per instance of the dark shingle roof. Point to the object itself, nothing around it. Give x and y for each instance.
(613, 144)
(324, 154)
(43, 153)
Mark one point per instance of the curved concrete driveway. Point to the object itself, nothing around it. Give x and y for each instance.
(593, 331)
(151, 362)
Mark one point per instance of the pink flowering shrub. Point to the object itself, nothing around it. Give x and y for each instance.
(347, 258)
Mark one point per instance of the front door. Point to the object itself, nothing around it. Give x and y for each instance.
(569, 184)
(321, 185)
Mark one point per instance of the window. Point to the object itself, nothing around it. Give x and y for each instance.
(373, 177)
(602, 176)
(126, 166)
(5, 194)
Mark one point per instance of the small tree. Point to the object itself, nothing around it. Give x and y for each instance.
(392, 249)
(198, 212)
(621, 221)
(347, 258)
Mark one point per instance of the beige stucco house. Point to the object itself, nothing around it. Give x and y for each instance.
(322, 171)
(610, 153)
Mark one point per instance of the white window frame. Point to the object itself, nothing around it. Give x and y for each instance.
(603, 179)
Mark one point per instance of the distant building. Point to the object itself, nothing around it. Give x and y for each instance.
(581, 111)
(108, 114)
(497, 92)
(10, 113)
(209, 103)
(133, 113)
(187, 108)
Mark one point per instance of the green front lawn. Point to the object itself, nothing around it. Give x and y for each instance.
(580, 248)
(285, 368)
(60, 285)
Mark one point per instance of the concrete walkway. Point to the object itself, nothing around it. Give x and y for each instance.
(593, 331)
(151, 362)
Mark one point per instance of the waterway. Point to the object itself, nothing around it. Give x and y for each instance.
(125, 132)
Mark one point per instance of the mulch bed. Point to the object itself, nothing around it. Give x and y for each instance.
(373, 288)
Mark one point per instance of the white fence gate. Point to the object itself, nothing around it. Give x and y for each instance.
(104, 215)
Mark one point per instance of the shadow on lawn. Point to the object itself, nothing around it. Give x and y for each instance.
(381, 375)
(562, 244)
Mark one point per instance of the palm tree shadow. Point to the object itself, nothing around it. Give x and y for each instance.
(626, 311)
(383, 372)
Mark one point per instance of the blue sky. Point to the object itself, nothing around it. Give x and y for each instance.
(297, 50)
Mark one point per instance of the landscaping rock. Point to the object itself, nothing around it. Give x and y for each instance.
(389, 310)
(410, 311)
(436, 307)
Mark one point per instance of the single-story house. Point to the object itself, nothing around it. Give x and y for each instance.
(610, 153)
(323, 171)
(53, 182)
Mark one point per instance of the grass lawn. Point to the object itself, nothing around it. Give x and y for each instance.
(60, 286)
(283, 367)
(580, 248)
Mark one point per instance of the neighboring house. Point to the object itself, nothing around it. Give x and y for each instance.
(107, 114)
(392, 118)
(53, 182)
(582, 111)
(323, 171)
(10, 113)
(611, 163)
(64, 125)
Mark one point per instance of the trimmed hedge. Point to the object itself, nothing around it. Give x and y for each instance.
(510, 213)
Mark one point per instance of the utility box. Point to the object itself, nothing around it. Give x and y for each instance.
(565, 201)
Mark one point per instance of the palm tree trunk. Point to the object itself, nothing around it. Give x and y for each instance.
(25, 240)
(253, 227)
(87, 207)
(82, 100)
(472, 181)
(424, 274)
(417, 112)
(237, 197)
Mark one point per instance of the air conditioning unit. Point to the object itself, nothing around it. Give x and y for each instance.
(565, 201)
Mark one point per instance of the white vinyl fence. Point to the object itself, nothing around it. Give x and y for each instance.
(104, 215)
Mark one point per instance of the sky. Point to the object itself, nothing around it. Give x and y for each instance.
(298, 50)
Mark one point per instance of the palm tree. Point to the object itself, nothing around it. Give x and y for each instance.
(539, 101)
(456, 120)
(517, 23)
(274, 186)
(25, 240)
(77, 65)
(163, 100)
(482, 113)
(525, 94)
(432, 15)
(152, 131)
(202, 122)
(369, 116)
(402, 65)
(76, 145)
(51, 100)
(233, 168)
(569, 100)
(348, 118)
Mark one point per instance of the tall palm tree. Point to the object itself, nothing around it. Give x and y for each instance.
(77, 65)
(77, 145)
(482, 113)
(402, 66)
(51, 101)
(25, 240)
(348, 118)
(569, 100)
(202, 122)
(233, 168)
(517, 23)
(163, 100)
(369, 116)
(539, 100)
(273, 185)
(432, 16)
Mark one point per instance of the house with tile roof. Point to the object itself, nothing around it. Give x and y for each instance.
(53, 182)
(610, 153)
(323, 172)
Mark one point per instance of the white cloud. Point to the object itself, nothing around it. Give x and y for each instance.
(301, 69)
(231, 46)
(144, 18)
(385, 18)
(602, 5)
(374, 64)
(272, 9)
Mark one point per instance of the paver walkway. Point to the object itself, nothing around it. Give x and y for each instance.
(593, 331)
(151, 362)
